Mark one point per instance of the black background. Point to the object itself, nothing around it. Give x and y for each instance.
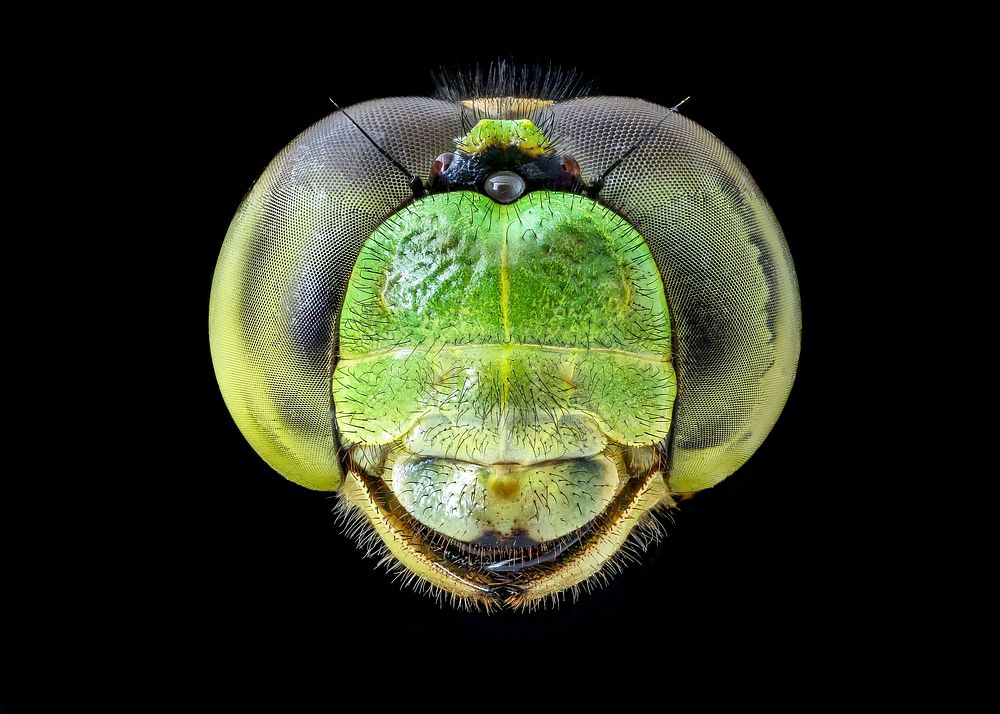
(224, 560)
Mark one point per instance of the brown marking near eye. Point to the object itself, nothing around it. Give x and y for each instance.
(570, 166)
(441, 163)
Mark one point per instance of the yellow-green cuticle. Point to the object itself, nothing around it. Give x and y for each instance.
(510, 364)
(506, 134)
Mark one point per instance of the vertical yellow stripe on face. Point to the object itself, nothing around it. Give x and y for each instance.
(505, 290)
(505, 316)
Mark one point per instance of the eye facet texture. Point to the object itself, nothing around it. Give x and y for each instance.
(726, 269)
(284, 268)
(293, 243)
(290, 352)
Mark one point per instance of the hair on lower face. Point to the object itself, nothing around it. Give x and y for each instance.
(647, 533)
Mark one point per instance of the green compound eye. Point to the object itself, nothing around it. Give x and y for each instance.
(505, 369)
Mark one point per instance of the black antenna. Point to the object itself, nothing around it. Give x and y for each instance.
(416, 185)
(598, 182)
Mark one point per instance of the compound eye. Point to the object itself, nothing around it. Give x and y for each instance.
(504, 186)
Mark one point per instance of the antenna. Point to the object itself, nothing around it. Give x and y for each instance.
(416, 185)
(598, 182)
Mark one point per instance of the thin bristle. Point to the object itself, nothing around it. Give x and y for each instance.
(355, 525)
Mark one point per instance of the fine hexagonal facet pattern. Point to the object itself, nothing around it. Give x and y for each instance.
(726, 270)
